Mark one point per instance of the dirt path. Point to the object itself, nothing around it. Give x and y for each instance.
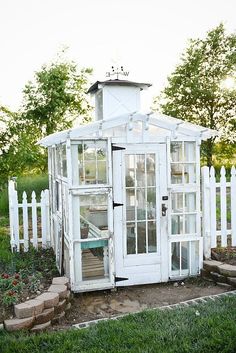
(105, 304)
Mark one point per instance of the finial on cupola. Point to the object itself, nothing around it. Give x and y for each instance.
(116, 71)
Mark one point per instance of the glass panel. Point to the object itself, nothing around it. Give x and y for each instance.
(176, 152)
(152, 237)
(89, 151)
(194, 251)
(95, 264)
(151, 203)
(189, 173)
(190, 202)
(130, 204)
(177, 202)
(101, 172)
(90, 172)
(190, 224)
(93, 209)
(129, 170)
(131, 239)
(58, 160)
(140, 169)
(141, 232)
(64, 161)
(176, 224)
(176, 173)
(175, 256)
(190, 151)
(150, 169)
(184, 255)
(141, 204)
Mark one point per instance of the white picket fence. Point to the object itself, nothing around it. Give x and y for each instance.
(29, 221)
(218, 209)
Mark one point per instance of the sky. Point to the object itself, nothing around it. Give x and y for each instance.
(147, 37)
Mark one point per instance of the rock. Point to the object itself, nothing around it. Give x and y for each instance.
(231, 281)
(49, 299)
(176, 284)
(1, 327)
(224, 285)
(18, 324)
(60, 281)
(211, 265)
(29, 308)
(58, 318)
(60, 289)
(38, 292)
(45, 316)
(68, 306)
(60, 306)
(41, 327)
(227, 270)
(218, 277)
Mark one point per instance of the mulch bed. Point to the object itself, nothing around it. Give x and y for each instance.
(226, 255)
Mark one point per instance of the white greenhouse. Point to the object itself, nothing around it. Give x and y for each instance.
(125, 194)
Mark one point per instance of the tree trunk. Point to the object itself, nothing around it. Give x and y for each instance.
(209, 152)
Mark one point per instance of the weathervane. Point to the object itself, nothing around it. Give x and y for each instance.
(117, 71)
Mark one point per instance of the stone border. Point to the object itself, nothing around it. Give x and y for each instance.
(44, 310)
(187, 303)
(220, 273)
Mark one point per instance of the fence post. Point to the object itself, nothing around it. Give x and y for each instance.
(43, 219)
(213, 207)
(206, 212)
(233, 205)
(34, 220)
(47, 218)
(25, 221)
(11, 190)
(223, 211)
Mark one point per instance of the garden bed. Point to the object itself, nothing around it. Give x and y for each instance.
(226, 255)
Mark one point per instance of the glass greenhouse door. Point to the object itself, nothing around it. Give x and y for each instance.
(140, 214)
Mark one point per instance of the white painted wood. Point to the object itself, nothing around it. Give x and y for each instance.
(43, 220)
(16, 221)
(34, 221)
(11, 188)
(233, 205)
(25, 222)
(223, 211)
(206, 224)
(213, 206)
(47, 219)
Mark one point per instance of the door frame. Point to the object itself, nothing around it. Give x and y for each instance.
(125, 264)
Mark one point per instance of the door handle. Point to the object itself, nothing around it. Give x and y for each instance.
(164, 208)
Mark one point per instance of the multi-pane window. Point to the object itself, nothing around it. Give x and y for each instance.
(92, 157)
(140, 182)
(183, 213)
(183, 162)
(64, 160)
(185, 258)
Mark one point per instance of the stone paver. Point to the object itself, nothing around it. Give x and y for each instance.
(61, 280)
(57, 319)
(232, 281)
(211, 265)
(227, 270)
(29, 308)
(18, 324)
(41, 327)
(49, 299)
(61, 289)
(60, 306)
(45, 316)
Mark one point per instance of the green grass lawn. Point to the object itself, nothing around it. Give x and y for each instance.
(206, 328)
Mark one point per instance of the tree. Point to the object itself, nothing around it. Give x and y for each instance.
(57, 97)
(197, 89)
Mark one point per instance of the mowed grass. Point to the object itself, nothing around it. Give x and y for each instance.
(206, 328)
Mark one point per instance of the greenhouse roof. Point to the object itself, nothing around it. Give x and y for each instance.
(177, 127)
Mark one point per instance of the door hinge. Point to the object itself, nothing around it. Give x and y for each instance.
(119, 279)
(117, 148)
(116, 204)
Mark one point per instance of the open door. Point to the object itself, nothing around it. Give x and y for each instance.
(140, 214)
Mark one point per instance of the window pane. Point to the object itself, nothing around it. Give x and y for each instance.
(151, 203)
(130, 204)
(140, 169)
(184, 255)
(177, 202)
(152, 237)
(194, 249)
(176, 173)
(189, 151)
(131, 241)
(129, 170)
(176, 152)
(89, 151)
(189, 173)
(176, 224)
(150, 168)
(101, 165)
(94, 260)
(64, 161)
(141, 233)
(93, 209)
(190, 224)
(190, 202)
(141, 204)
(175, 256)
